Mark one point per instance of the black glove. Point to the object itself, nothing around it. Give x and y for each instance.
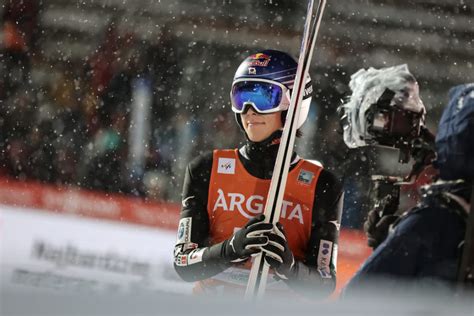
(248, 240)
(277, 253)
(376, 226)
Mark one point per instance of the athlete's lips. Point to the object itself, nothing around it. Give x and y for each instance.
(250, 123)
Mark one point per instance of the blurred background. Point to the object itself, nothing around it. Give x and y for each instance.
(115, 97)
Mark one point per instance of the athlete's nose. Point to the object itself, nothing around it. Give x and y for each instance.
(252, 111)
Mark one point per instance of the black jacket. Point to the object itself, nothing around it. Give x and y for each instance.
(423, 249)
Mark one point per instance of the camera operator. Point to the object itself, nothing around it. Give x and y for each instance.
(427, 243)
(385, 110)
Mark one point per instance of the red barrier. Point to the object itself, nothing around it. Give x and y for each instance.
(353, 249)
(79, 202)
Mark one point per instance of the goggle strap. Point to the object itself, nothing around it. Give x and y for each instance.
(308, 91)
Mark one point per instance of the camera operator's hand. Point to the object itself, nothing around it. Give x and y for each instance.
(278, 254)
(248, 240)
(376, 226)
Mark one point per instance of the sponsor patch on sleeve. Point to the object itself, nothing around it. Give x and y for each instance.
(325, 274)
(178, 249)
(189, 245)
(336, 224)
(195, 256)
(181, 260)
(184, 231)
(324, 257)
(187, 201)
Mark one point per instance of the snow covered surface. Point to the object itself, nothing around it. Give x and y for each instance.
(49, 253)
(165, 303)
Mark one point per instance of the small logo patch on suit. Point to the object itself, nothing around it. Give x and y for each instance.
(305, 177)
(184, 230)
(324, 258)
(226, 166)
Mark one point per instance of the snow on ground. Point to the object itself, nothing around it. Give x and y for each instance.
(43, 251)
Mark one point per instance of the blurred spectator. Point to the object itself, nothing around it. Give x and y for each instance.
(18, 115)
(14, 73)
(102, 64)
(42, 152)
(167, 69)
(13, 39)
(117, 96)
(21, 25)
(102, 167)
(157, 185)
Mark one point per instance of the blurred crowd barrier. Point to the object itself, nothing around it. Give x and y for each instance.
(88, 204)
(68, 238)
(94, 97)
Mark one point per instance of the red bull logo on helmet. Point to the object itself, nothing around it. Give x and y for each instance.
(259, 59)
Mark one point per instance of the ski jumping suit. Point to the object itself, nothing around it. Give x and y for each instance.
(224, 189)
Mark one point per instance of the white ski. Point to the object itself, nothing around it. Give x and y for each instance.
(259, 272)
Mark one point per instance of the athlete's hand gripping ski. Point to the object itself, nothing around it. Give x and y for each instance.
(278, 254)
(248, 240)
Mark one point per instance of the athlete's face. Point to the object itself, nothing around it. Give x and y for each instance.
(260, 126)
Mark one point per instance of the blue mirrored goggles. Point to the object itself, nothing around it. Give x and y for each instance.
(265, 96)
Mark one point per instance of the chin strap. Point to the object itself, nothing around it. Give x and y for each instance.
(264, 146)
(273, 139)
